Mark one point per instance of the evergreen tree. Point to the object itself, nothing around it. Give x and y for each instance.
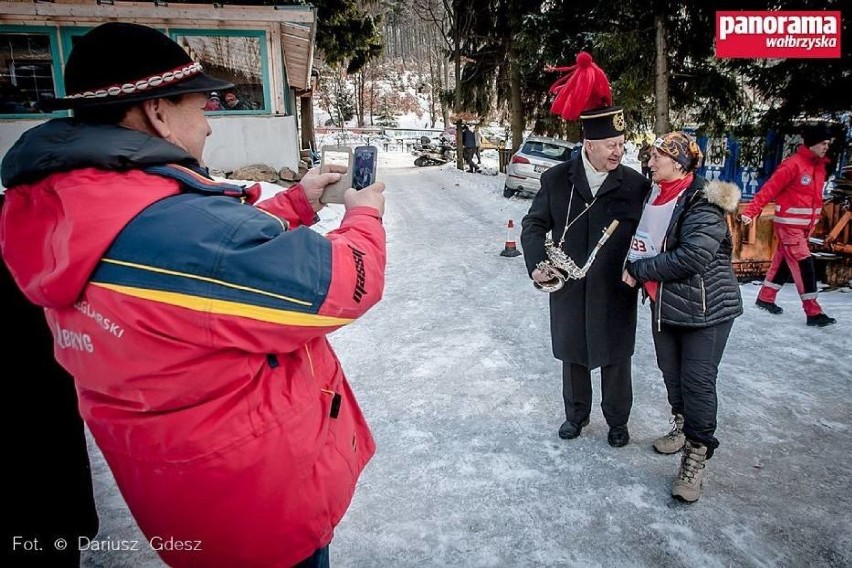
(348, 33)
(491, 75)
(621, 36)
(385, 116)
(795, 89)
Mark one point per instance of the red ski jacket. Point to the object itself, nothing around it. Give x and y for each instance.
(195, 327)
(796, 189)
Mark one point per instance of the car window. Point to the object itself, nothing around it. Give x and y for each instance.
(546, 150)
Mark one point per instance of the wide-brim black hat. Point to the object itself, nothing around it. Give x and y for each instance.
(124, 63)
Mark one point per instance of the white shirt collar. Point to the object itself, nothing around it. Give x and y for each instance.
(593, 176)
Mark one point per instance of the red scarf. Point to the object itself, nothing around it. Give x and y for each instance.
(669, 189)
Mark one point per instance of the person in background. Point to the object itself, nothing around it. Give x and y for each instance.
(213, 102)
(796, 188)
(193, 319)
(48, 483)
(681, 255)
(477, 140)
(12, 100)
(592, 319)
(232, 102)
(644, 156)
(469, 144)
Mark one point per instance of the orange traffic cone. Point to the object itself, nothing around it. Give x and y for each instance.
(510, 249)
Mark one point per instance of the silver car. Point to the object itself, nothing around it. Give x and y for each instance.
(537, 155)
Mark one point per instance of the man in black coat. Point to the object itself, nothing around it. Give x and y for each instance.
(593, 319)
(50, 494)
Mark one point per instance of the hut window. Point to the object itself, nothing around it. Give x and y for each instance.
(239, 57)
(27, 72)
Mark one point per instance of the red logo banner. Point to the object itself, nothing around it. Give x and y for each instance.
(778, 34)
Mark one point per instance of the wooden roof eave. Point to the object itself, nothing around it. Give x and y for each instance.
(146, 12)
(298, 42)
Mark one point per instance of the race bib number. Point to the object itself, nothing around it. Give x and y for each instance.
(641, 247)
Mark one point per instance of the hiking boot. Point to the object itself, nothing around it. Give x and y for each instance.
(618, 436)
(687, 484)
(672, 442)
(769, 307)
(821, 320)
(570, 430)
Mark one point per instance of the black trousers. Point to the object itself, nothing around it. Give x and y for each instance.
(689, 359)
(319, 559)
(48, 490)
(468, 158)
(616, 392)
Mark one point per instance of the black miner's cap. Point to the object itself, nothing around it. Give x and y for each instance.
(602, 123)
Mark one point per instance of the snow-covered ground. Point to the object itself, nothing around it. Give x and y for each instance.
(454, 372)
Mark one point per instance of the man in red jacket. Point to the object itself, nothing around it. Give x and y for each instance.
(796, 189)
(193, 321)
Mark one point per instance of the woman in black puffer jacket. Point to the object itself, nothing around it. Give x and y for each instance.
(681, 254)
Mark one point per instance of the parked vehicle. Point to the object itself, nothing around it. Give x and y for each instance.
(537, 155)
(433, 153)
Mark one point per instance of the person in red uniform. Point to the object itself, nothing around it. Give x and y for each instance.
(796, 189)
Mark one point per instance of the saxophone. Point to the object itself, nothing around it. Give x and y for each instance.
(562, 267)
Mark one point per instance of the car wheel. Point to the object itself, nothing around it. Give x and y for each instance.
(508, 192)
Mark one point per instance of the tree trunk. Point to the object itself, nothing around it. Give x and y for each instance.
(372, 100)
(339, 121)
(359, 79)
(307, 110)
(457, 101)
(517, 111)
(445, 83)
(661, 76)
(434, 83)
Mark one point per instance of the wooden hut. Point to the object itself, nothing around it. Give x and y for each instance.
(266, 51)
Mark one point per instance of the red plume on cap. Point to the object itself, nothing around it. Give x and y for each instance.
(583, 87)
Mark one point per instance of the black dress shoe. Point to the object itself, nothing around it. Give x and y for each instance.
(570, 430)
(618, 436)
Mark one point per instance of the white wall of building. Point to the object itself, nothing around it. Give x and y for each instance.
(245, 140)
(236, 141)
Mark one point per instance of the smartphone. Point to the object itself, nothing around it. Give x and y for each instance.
(339, 156)
(364, 172)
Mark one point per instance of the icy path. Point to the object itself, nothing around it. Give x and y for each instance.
(454, 372)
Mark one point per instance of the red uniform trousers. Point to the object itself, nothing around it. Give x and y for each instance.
(792, 258)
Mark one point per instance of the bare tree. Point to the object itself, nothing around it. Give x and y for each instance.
(364, 82)
(419, 35)
(449, 24)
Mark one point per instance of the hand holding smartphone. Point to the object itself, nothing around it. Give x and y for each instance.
(360, 169)
(364, 173)
(336, 156)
